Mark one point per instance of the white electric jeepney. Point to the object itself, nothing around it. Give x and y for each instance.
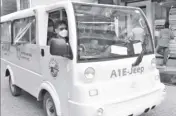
(106, 68)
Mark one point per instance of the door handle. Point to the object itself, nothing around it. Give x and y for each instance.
(42, 52)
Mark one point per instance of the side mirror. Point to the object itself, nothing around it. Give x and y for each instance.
(59, 47)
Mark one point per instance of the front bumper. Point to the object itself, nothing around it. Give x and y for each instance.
(131, 107)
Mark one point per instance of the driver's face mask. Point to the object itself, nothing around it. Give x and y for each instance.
(62, 31)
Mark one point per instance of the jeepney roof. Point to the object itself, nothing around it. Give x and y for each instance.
(55, 5)
(19, 14)
(31, 11)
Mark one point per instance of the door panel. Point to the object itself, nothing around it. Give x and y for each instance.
(57, 71)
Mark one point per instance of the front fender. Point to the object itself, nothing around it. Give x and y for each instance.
(50, 88)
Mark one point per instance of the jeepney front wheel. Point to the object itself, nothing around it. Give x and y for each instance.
(15, 91)
(48, 105)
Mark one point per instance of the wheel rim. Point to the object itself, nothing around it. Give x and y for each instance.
(50, 108)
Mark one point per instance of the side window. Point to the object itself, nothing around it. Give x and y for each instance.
(6, 32)
(24, 30)
(57, 22)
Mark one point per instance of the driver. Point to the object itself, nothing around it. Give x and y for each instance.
(61, 31)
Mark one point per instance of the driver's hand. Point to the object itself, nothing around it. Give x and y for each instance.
(80, 49)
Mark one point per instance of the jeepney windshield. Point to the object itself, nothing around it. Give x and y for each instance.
(108, 32)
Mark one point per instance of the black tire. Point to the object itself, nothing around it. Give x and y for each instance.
(48, 105)
(15, 91)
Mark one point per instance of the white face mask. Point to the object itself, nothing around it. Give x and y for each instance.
(63, 33)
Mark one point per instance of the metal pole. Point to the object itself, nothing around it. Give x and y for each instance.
(1, 13)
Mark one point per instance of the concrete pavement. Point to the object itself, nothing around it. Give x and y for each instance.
(168, 106)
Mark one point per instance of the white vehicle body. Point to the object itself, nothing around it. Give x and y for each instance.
(116, 88)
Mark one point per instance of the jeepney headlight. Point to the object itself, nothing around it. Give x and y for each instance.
(100, 112)
(89, 73)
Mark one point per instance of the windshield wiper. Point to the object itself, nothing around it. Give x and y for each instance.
(139, 59)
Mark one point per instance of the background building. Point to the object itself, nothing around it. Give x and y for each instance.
(8, 6)
(157, 11)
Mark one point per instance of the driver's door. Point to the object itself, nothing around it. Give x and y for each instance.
(55, 68)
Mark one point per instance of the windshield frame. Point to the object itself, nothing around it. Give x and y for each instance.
(111, 58)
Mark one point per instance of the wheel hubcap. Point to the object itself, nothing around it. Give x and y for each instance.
(50, 108)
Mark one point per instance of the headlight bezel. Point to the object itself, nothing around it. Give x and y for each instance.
(89, 74)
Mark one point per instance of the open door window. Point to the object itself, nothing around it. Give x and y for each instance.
(55, 20)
